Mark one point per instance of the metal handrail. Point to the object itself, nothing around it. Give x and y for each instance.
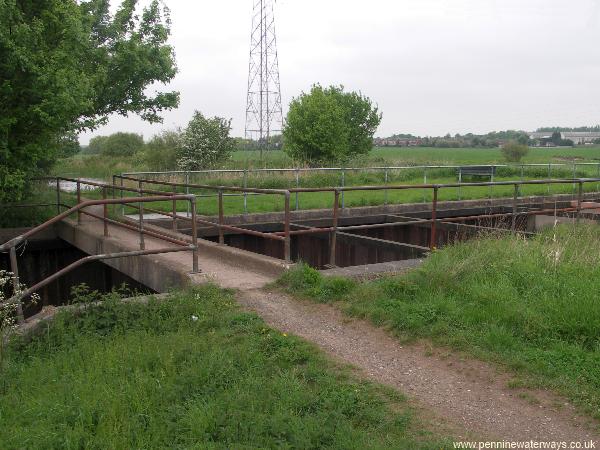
(11, 245)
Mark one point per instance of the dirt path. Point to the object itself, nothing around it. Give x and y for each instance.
(471, 396)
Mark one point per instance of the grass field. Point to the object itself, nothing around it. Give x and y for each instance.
(105, 167)
(149, 376)
(530, 305)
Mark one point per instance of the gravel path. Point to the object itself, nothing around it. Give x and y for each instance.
(471, 396)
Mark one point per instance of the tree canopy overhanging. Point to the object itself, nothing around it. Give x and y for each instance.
(65, 66)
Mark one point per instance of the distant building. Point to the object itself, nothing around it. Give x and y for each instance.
(578, 137)
(397, 142)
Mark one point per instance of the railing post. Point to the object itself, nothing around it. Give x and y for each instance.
(287, 243)
(245, 193)
(343, 185)
(122, 195)
(424, 182)
(187, 190)
(432, 243)
(459, 182)
(549, 176)
(385, 199)
(174, 209)
(78, 201)
(114, 183)
(515, 208)
(333, 235)
(221, 218)
(16, 283)
(297, 187)
(141, 218)
(574, 175)
(579, 200)
(105, 211)
(58, 195)
(192, 205)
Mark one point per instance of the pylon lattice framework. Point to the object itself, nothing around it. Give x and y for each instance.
(264, 114)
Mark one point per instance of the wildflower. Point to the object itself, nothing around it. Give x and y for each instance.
(194, 318)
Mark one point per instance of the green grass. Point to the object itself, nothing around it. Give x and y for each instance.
(148, 376)
(531, 305)
(97, 166)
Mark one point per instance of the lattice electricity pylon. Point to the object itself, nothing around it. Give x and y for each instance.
(264, 114)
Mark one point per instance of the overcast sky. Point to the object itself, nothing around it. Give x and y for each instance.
(432, 66)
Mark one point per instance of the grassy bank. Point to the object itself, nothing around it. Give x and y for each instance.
(531, 305)
(150, 376)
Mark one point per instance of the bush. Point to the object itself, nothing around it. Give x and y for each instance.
(161, 152)
(514, 152)
(205, 143)
(330, 125)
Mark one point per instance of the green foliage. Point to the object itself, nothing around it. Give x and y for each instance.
(122, 144)
(160, 153)
(514, 152)
(68, 145)
(306, 281)
(65, 66)
(190, 372)
(330, 125)
(531, 304)
(205, 143)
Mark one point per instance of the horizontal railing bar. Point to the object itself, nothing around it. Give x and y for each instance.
(92, 258)
(115, 201)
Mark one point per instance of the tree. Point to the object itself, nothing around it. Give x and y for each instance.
(65, 66)
(96, 145)
(160, 152)
(68, 145)
(330, 124)
(514, 152)
(205, 143)
(122, 144)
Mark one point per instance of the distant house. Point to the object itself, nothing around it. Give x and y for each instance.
(397, 142)
(544, 138)
(581, 137)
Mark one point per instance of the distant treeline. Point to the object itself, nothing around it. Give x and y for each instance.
(493, 139)
(564, 129)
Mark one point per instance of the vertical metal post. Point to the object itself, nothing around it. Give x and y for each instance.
(579, 201)
(174, 209)
(287, 249)
(425, 182)
(187, 191)
(195, 268)
(333, 235)
(574, 175)
(221, 218)
(141, 218)
(491, 193)
(114, 182)
(245, 193)
(105, 210)
(297, 187)
(432, 243)
(515, 208)
(58, 195)
(343, 185)
(16, 284)
(549, 176)
(122, 193)
(459, 182)
(78, 201)
(385, 200)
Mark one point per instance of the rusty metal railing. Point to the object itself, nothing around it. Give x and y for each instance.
(338, 192)
(82, 208)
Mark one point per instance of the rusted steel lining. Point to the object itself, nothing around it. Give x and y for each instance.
(88, 259)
